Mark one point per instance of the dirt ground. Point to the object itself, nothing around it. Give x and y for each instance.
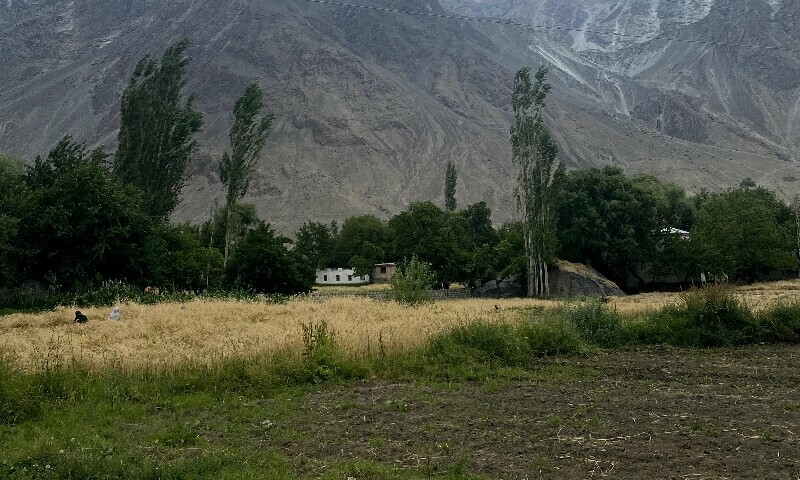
(647, 413)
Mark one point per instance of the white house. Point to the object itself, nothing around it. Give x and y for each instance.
(340, 276)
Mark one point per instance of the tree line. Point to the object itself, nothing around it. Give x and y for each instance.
(78, 217)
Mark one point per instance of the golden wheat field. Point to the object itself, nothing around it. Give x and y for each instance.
(205, 330)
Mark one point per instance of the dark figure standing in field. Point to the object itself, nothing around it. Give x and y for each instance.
(80, 318)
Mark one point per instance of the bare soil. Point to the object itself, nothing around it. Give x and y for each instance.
(646, 413)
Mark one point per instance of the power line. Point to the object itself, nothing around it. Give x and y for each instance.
(501, 21)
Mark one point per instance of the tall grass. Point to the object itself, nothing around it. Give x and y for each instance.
(303, 344)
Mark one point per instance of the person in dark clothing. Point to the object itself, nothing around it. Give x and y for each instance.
(80, 318)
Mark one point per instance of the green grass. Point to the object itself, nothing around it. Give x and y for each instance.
(228, 419)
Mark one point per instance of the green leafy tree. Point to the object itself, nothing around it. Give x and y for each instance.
(451, 178)
(247, 136)
(474, 240)
(263, 264)
(366, 236)
(673, 207)
(534, 152)
(13, 195)
(82, 224)
(177, 259)
(608, 221)
(315, 242)
(156, 130)
(743, 233)
(361, 266)
(424, 231)
(510, 259)
(212, 232)
(412, 281)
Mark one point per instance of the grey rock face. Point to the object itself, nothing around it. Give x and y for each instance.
(572, 280)
(371, 105)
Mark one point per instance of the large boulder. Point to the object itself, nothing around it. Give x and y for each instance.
(572, 280)
(505, 289)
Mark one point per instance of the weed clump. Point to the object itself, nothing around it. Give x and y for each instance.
(780, 323)
(596, 324)
(714, 317)
(502, 345)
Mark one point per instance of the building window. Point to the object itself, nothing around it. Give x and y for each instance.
(338, 278)
(349, 278)
(325, 278)
(383, 269)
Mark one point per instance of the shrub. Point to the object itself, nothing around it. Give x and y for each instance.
(714, 318)
(780, 323)
(596, 324)
(479, 342)
(551, 338)
(504, 345)
(412, 282)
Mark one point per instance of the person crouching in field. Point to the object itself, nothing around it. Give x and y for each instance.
(80, 318)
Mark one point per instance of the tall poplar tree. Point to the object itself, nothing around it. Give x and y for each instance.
(534, 152)
(247, 136)
(451, 178)
(156, 130)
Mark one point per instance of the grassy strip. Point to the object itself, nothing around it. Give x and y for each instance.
(198, 421)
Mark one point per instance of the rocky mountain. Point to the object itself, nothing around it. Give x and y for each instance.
(371, 104)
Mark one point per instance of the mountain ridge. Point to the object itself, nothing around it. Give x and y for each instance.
(371, 105)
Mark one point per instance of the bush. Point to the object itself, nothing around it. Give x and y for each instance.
(412, 282)
(596, 324)
(504, 345)
(714, 317)
(780, 323)
(551, 338)
(481, 343)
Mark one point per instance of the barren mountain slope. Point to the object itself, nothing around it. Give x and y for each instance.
(370, 105)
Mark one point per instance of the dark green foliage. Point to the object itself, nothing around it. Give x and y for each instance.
(596, 324)
(538, 179)
(247, 136)
(705, 317)
(156, 130)
(451, 178)
(423, 230)
(607, 221)
(315, 242)
(177, 260)
(474, 238)
(780, 323)
(81, 224)
(673, 208)
(491, 344)
(365, 236)
(743, 233)
(13, 195)
(263, 264)
(212, 232)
